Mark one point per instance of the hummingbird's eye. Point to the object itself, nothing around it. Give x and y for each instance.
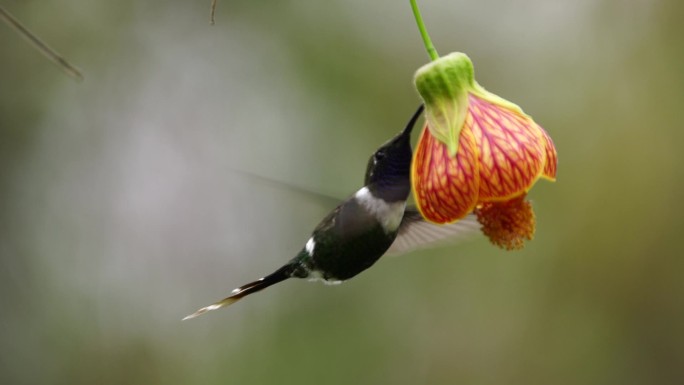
(379, 155)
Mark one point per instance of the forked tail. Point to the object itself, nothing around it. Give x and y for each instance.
(278, 276)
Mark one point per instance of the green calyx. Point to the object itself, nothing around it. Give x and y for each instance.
(444, 85)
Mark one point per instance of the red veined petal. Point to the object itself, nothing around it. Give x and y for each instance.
(511, 149)
(445, 188)
(551, 164)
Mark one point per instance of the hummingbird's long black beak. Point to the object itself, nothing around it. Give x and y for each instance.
(412, 122)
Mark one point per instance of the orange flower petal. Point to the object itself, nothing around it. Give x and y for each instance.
(445, 188)
(511, 149)
(551, 164)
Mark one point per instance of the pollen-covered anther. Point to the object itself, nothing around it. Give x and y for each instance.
(507, 224)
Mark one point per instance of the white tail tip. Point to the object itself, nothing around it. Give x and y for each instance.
(217, 305)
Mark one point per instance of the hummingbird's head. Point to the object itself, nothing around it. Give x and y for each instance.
(389, 168)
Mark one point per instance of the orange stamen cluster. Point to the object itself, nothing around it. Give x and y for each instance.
(507, 224)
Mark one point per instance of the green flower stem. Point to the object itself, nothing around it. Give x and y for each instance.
(432, 52)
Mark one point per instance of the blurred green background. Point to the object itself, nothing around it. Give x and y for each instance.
(121, 211)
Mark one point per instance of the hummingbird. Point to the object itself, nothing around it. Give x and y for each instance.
(372, 222)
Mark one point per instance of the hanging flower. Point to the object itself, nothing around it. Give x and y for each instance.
(478, 152)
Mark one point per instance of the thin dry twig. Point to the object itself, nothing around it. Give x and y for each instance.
(40, 45)
(213, 12)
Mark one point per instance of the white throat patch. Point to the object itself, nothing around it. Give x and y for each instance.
(388, 214)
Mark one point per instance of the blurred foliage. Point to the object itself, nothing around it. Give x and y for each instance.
(121, 211)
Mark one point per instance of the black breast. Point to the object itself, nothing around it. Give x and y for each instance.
(348, 242)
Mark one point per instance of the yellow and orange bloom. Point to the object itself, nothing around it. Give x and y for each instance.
(478, 153)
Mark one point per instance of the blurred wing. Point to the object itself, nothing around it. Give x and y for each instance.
(321, 198)
(416, 233)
